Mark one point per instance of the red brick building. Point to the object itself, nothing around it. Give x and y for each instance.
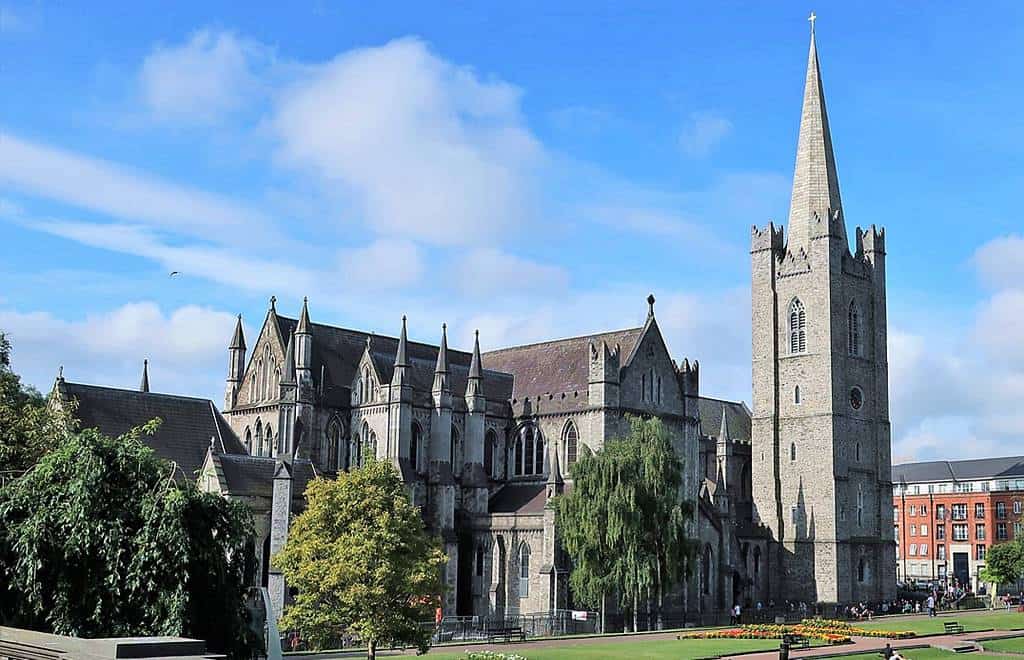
(947, 514)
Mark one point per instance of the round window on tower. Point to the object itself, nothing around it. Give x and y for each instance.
(856, 398)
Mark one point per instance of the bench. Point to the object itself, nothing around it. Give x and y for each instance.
(796, 641)
(953, 628)
(506, 633)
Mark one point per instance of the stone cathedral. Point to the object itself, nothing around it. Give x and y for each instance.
(792, 500)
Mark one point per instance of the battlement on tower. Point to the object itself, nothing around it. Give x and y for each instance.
(871, 240)
(769, 238)
(832, 223)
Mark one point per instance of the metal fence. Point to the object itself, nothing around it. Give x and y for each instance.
(545, 624)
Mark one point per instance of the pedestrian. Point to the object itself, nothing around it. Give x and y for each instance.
(931, 605)
(887, 652)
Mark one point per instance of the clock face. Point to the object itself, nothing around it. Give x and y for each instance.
(856, 398)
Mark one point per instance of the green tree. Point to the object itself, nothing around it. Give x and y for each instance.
(624, 522)
(1004, 564)
(362, 563)
(97, 540)
(28, 427)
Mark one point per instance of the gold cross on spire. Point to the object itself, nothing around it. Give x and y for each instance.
(812, 18)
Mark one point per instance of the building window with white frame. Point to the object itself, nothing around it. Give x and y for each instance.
(524, 571)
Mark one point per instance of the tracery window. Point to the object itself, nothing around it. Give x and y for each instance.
(333, 444)
(248, 440)
(456, 451)
(259, 439)
(797, 327)
(529, 452)
(855, 345)
(570, 438)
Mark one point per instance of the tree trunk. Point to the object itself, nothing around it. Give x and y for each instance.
(661, 599)
(371, 650)
(647, 623)
(603, 597)
(636, 610)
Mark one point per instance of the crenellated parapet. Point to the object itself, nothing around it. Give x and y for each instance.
(689, 377)
(768, 238)
(831, 223)
(871, 240)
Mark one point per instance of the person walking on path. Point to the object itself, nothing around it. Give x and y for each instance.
(931, 605)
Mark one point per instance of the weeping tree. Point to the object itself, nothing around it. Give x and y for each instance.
(624, 522)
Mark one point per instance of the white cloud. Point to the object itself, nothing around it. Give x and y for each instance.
(999, 262)
(203, 79)
(488, 271)
(384, 264)
(703, 133)
(113, 190)
(212, 263)
(430, 151)
(184, 347)
(999, 329)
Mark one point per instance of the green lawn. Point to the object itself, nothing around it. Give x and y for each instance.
(999, 620)
(638, 649)
(919, 654)
(1015, 645)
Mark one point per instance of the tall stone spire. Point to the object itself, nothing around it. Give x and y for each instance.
(475, 385)
(474, 364)
(402, 355)
(238, 339)
(289, 362)
(723, 432)
(144, 385)
(304, 324)
(815, 182)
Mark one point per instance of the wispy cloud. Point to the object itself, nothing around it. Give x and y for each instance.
(702, 133)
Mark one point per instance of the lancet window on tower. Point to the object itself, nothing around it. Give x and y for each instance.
(490, 443)
(456, 452)
(261, 451)
(414, 446)
(797, 327)
(855, 345)
(524, 571)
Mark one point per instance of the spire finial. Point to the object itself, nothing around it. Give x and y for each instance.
(475, 370)
(60, 372)
(401, 355)
(144, 385)
(442, 353)
(303, 327)
(813, 17)
(650, 305)
(238, 340)
(273, 303)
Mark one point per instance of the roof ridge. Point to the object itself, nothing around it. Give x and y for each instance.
(137, 392)
(565, 339)
(375, 335)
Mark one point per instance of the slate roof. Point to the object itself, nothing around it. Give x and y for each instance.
(254, 475)
(561, 365)
(339, 351)
(967, 470)
(737, 417)
(183, 437)
(519, 498)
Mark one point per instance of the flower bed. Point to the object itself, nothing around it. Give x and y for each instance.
(844, 627)
(824, 630)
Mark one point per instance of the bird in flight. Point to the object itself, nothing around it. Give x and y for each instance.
(173, 273)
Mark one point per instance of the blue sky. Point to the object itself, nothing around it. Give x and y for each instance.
(529, 169)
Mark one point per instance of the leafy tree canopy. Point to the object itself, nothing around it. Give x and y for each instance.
(624, 522)
(1004, 563)
(97, 540)
(28, 427)
(362, 562)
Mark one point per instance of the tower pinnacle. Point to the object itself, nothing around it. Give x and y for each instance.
(815, 181)
(144, 385)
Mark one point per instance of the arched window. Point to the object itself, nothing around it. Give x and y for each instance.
(259, 438)
(527, 451)
(455, 451)
(480, 561)
(538, 455)
(797, 327)
(248, 439)
(333, 441)
(854, 343)
(757, 563)
(860, 504)
(367, 385)
(858, 452)
(705, 570)
(861, 570)
(414, 446)
(792, 451)
(352, 459)
(268, 433)
(524, 571)
(796, 395)
(570, 438)
(371, 448)
(490, 442)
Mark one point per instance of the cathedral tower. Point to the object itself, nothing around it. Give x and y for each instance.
(821, 448)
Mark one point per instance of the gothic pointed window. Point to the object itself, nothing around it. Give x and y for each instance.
(855, 344)
(352, 456)
(527, 453)
(333, 441)
(248, 439)
(796, 395)
(414, 446)
(797, 327)
(490, 443)
(259, 438)
(268, 433)
(570, 438)
(524, 571)
(860, 504)
(456, 452)
(792, 451)
(371, 447)
(538, 455)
